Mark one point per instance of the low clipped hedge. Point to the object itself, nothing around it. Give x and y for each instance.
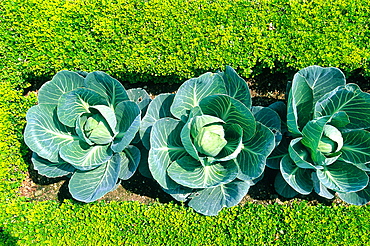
(169, 40)
(131, 223)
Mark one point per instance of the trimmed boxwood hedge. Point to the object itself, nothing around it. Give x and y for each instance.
(170, 40)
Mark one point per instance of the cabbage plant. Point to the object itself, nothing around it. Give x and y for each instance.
(329, 147)
(205, 145)
(82, 127)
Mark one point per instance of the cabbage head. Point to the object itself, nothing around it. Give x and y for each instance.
(205, 145)
(82, 128)
(329, 147)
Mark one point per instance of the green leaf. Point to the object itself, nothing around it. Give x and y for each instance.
(74, 103)
(88, 186)
(283, 188)
(361, 197)
(180, 193)
(312, 134)
(356, 147)
(230, 111)
(191, 173)
(269, 118)
(211, 200)
(343, 177)
(236, 87)
(61, 83)
(252, 159)
(158, 108)
(299, 154)
(319, 188)
(349, 99)
(192, 91)
(298, 178)
(166, 147)
(50, 169)
(85, 157)
(128, 123)
(130, 159)
(308, 86)
(108, 87)
(140, 97)
(44, 134)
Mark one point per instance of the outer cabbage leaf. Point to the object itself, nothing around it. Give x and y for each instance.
(356, 148)
(158, 108)
(191, 173)
(192, 91)
(61, 83)
(349, 99)
(308, 86)
(343, 177)
(236, 87)
(85, 157)
(166, 147)
(361, 197)
(252, 158)
(283, 188)
(130, 159)
(44, 134)
(321, 189)
(300, 155)
(50, 169)
(109, 88)
(211, 200)
(298, 178)
(92, 185)
(140, 97)
(269, 118)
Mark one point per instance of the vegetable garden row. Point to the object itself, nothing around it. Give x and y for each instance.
(206, 144)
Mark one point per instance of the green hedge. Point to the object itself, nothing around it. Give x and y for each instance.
(167, 41)
(131, 223)
(170, 40)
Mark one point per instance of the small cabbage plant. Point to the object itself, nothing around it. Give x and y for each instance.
(82, 127)
(328, 150)
(205, 145)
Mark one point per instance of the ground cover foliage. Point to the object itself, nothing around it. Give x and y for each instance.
(75, 35)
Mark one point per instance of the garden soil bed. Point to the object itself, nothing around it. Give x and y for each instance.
(145, 190)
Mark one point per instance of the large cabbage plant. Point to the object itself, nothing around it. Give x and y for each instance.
(206, 143)
(328, 147)
(82, 127)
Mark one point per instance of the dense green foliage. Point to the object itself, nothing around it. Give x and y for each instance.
(168, 41)
(327, 121)
(131, 223)
(82, 127)
(206, 145)
(164, 41)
